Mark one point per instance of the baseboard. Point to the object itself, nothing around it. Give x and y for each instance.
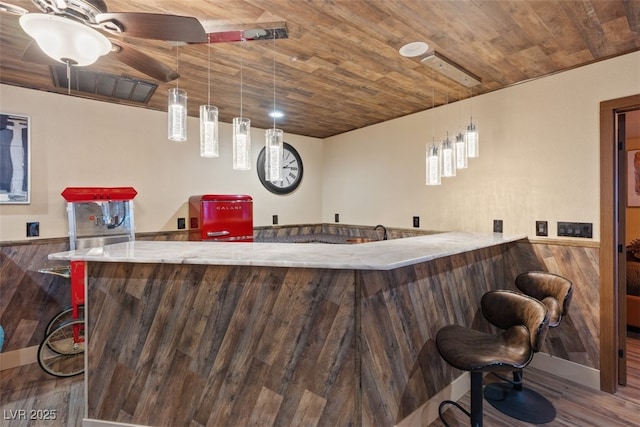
(583, 375)
(15, 358)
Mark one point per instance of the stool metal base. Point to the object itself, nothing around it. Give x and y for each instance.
(522, 404)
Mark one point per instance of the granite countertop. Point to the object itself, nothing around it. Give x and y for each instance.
(376, 255)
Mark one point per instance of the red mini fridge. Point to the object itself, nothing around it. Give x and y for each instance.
(221, 218)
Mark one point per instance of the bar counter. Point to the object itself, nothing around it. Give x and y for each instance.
(374, 255)
(275, 334)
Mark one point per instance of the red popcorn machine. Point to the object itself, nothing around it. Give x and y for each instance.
(221, 218)
(99, 216)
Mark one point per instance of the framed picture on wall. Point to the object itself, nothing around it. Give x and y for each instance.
(15, 155)
(633, 178)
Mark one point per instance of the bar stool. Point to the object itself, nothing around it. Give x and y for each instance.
(524, 321)
(510, 397)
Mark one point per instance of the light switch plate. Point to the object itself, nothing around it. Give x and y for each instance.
(542, 228)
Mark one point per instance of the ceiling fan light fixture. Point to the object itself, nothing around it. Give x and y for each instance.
(64, 39)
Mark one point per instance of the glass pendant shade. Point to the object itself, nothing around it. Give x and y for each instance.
(433, 164)
(461, 151)
(64, 39)
(241, 143)
(177, 130)
(208, 131)
(274, 151)
(473, 146)
(448, 158)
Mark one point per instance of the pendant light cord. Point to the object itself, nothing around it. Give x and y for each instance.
(241, 65)
(433, 114)
(177, 66)
(471, 105)
(209, 73)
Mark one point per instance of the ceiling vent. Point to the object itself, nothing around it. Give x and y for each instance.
(108, 85)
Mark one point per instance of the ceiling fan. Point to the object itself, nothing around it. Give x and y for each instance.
(90, 15)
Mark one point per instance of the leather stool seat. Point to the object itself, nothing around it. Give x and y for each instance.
(471, 350)
(511, 397)
(524, 320)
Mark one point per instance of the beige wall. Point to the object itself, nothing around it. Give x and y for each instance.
(539, 161)
(76, 142)
(539, 158)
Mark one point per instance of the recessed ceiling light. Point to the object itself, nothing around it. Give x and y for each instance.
(276, 114)
(414, 49)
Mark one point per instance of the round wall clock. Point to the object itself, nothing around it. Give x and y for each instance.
(291, 171)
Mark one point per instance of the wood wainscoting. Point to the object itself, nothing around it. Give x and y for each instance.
(577, 337)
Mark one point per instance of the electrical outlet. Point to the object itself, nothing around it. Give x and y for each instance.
(33, 229)
(497, 226)
(575, 229)
(274, 219)
(336, 217)
(542, 228)
(181, 224)
(416, 222)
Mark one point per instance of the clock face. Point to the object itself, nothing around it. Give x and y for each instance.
(291, 171)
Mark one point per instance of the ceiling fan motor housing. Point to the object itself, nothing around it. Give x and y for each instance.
(84, 10)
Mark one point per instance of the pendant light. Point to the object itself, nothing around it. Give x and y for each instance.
(241, 135)
(177, 109)
(462, 161)
(274, 139)
(472, 137)
(209, 119)
(461, 151)
(448, 155)
(433, 164)
(433, 161)
(448, 158)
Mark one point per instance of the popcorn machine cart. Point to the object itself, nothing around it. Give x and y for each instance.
(98, 216)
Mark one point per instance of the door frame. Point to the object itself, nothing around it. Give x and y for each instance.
(609, 293)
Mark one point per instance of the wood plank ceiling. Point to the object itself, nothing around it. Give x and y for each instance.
(339, 69)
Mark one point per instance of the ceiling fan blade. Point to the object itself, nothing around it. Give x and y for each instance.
(12, 8)
(155, 26)
(129, 55)
(266, 31)
(246, 35)
(33, 53)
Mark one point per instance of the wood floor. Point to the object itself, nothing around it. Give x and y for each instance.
(38, 394)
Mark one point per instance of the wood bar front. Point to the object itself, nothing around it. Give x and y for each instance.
(179, 344)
